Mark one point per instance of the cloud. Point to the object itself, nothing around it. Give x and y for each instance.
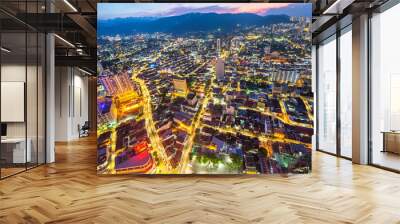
(184, 10)
(256, 8)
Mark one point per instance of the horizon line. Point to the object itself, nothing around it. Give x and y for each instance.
(157, 17)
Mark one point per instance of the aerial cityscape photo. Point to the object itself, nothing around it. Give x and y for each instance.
(204, 88)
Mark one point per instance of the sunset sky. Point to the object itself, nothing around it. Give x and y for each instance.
(122, 10)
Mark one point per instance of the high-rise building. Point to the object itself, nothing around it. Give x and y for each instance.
(267, 50)
(218, 47)
(99, 69)
(220, 69)
(116, 84)
(286, 76)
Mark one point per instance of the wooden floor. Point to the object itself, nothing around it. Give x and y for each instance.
(69, 191)
(5, 172)
(387, 159)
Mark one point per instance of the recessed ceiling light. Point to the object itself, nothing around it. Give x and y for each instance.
(64, 40)
(337, 7)
(84, 71)
(70, 5)
(5, 50)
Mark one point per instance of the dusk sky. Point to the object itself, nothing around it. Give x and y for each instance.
(122, 10)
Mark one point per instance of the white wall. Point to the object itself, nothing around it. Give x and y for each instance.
(14, 73)
(71, 102)
(33, 127)
(80, 105)
(61, 103)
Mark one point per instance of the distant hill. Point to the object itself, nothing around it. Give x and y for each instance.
(304, 9)
(192, 22)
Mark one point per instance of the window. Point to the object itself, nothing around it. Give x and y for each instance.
(385, 89)
(327, 95)
(22, 75)
(346, 92)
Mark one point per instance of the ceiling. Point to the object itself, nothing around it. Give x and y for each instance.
(74, 22)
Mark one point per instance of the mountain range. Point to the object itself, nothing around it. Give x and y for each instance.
(187, 23)
(293, 10)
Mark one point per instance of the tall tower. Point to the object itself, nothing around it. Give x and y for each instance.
(218, 47)
(267, 50)
(220, 69)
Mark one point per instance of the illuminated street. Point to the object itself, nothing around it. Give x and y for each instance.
(163, 166)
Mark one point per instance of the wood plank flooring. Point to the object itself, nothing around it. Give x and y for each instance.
(69, 191)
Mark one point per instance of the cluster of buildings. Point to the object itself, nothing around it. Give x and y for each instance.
(232, 103)
(123, 142)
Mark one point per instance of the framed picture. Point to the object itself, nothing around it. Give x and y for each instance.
(204, 88)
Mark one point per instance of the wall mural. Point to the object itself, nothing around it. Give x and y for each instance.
(204, 88)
